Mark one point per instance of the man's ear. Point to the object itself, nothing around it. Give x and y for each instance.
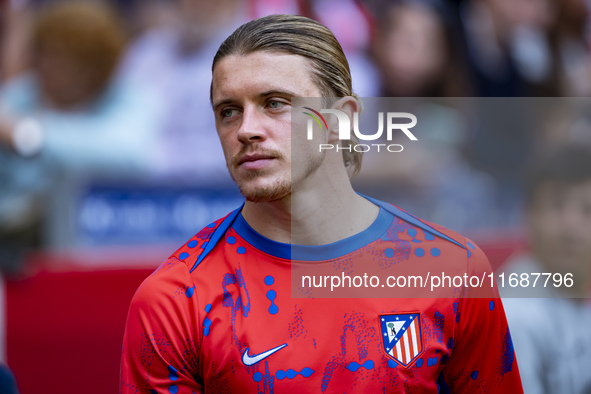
(349, 105)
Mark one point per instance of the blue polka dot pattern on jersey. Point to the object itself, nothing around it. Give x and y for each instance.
(419, 363)
(192, 244)
(389, 252)
(419, 252)
(491, 305)
(183, 255)
(231, 240)
(290, 373)
(474, 375)
(271, 295)
(206, 326)
(435, 252)
(189, 292)
(353, 366)
(241, 250)
(429, 236)
(172, 373)
(269, 280)
(173, 389)
(257, 376)
(207, 321)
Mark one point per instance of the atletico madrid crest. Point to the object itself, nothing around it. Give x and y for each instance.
(401, 336)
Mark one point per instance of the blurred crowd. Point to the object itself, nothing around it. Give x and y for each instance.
(118, 91)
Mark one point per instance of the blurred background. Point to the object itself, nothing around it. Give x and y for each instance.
(109, 158)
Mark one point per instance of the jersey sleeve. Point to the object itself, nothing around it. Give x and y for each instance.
(482, 358)
(526, 316)
(160, 344)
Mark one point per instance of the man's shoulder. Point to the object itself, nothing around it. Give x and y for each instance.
(461, 239)
(431, 231)
(446, 250)
(198, 246)
(159, 290)
(175, 272)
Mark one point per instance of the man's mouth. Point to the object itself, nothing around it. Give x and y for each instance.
(255, 161)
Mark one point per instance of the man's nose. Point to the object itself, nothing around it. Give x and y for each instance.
(252, 128)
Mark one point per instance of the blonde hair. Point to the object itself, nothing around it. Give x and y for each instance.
(298, 35)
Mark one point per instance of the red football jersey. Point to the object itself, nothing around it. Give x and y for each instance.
(219, 316)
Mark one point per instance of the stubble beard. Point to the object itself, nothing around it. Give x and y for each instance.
(280, 187)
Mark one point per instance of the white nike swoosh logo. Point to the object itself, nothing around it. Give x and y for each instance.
(248, 360)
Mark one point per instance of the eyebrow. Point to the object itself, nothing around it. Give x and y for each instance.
(281, 92)
(264, 94)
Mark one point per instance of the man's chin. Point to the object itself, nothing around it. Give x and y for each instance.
(265, 194)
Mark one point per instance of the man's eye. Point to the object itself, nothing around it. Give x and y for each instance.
(228, 113)
(276, 104)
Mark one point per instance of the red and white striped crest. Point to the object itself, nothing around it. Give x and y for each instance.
(401, 336)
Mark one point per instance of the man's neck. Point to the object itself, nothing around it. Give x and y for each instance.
(318, 216)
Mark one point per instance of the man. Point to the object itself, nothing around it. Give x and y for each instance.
(218, 315)
(551, 331)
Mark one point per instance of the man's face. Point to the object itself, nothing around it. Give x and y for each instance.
(251, 97)
(560, 226)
